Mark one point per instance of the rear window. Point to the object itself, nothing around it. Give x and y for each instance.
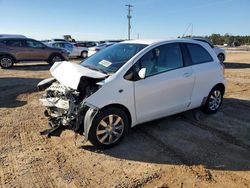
(198, 54)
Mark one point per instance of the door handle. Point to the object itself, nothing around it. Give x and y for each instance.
(187, 74)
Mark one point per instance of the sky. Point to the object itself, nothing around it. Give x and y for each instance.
(107, 19)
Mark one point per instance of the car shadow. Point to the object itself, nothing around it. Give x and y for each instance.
(31, 67)
(216, 141)
(12, 87)
(233, 65)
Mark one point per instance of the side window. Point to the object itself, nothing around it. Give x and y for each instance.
(198, 54)
(163, 58)
(34, 44)
(14, 43)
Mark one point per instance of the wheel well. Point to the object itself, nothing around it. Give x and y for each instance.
(121, 107)
(222, 86)
(9, 56)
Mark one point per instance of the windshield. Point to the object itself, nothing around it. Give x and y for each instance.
(110, 59)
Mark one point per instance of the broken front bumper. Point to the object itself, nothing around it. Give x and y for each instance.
(55, 102)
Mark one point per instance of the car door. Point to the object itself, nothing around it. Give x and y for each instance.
(70, 47)
(35, 50)
(168, 85)
(16, 47)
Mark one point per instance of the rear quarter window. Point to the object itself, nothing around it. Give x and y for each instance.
(198, 54)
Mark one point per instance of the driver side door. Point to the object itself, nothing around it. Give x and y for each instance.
(168, 85)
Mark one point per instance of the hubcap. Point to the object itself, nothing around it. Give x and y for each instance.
(56, 59)
(215, 100)
(110, 129)
(6, 62)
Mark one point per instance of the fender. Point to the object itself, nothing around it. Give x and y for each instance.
(88, 119)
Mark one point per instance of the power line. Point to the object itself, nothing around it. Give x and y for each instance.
(129, 18)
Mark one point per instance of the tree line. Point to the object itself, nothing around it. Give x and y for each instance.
(231, 40)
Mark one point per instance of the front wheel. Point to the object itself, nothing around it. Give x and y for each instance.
(214, 100)
(108, 128)
(55, 58)
(84, 54)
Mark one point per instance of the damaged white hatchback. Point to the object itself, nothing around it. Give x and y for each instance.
(131, 83)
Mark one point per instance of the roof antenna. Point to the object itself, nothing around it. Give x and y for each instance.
(191, 31)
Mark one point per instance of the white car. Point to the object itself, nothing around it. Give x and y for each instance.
(94, 49)
(131, 83)
(220, 52)
(74, 51)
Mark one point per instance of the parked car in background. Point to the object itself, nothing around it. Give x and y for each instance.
(74, 51)
(220, 52)
(86, 44)
(54, 40)
(13, 50)
(99, 47)
(130, 83)
(11, 36)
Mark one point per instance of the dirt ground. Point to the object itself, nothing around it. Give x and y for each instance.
(177, 151)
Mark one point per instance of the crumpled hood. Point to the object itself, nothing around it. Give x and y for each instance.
(69, 74)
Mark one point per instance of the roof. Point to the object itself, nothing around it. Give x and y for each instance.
(153, 41)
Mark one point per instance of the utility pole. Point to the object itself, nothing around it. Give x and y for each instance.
(129, 18)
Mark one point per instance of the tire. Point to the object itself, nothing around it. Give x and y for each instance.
(214, 100)
(55, 58)
(84, 54)
(104, 134)
(6, 62)
(221, 57)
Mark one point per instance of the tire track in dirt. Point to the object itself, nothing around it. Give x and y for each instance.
(67, 166)
(174, 154)
(220, 134)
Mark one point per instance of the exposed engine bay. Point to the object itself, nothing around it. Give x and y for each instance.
(66, 106)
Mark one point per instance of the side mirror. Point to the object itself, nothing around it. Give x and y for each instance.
(142, 73)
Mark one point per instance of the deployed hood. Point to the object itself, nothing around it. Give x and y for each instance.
(69, 74)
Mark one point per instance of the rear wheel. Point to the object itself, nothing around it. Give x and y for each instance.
(214, 100)
(108, 128)
(221, 57)
(55, 58)
(6, 61)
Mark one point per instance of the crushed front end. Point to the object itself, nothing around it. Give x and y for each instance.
(65, 107)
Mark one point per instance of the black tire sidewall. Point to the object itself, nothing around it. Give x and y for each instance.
(206, 108)
(103, 113)
(12, 60)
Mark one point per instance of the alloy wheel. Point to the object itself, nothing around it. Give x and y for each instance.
(56, 59)
(6, 62)
(215, 100)
(110, 129)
